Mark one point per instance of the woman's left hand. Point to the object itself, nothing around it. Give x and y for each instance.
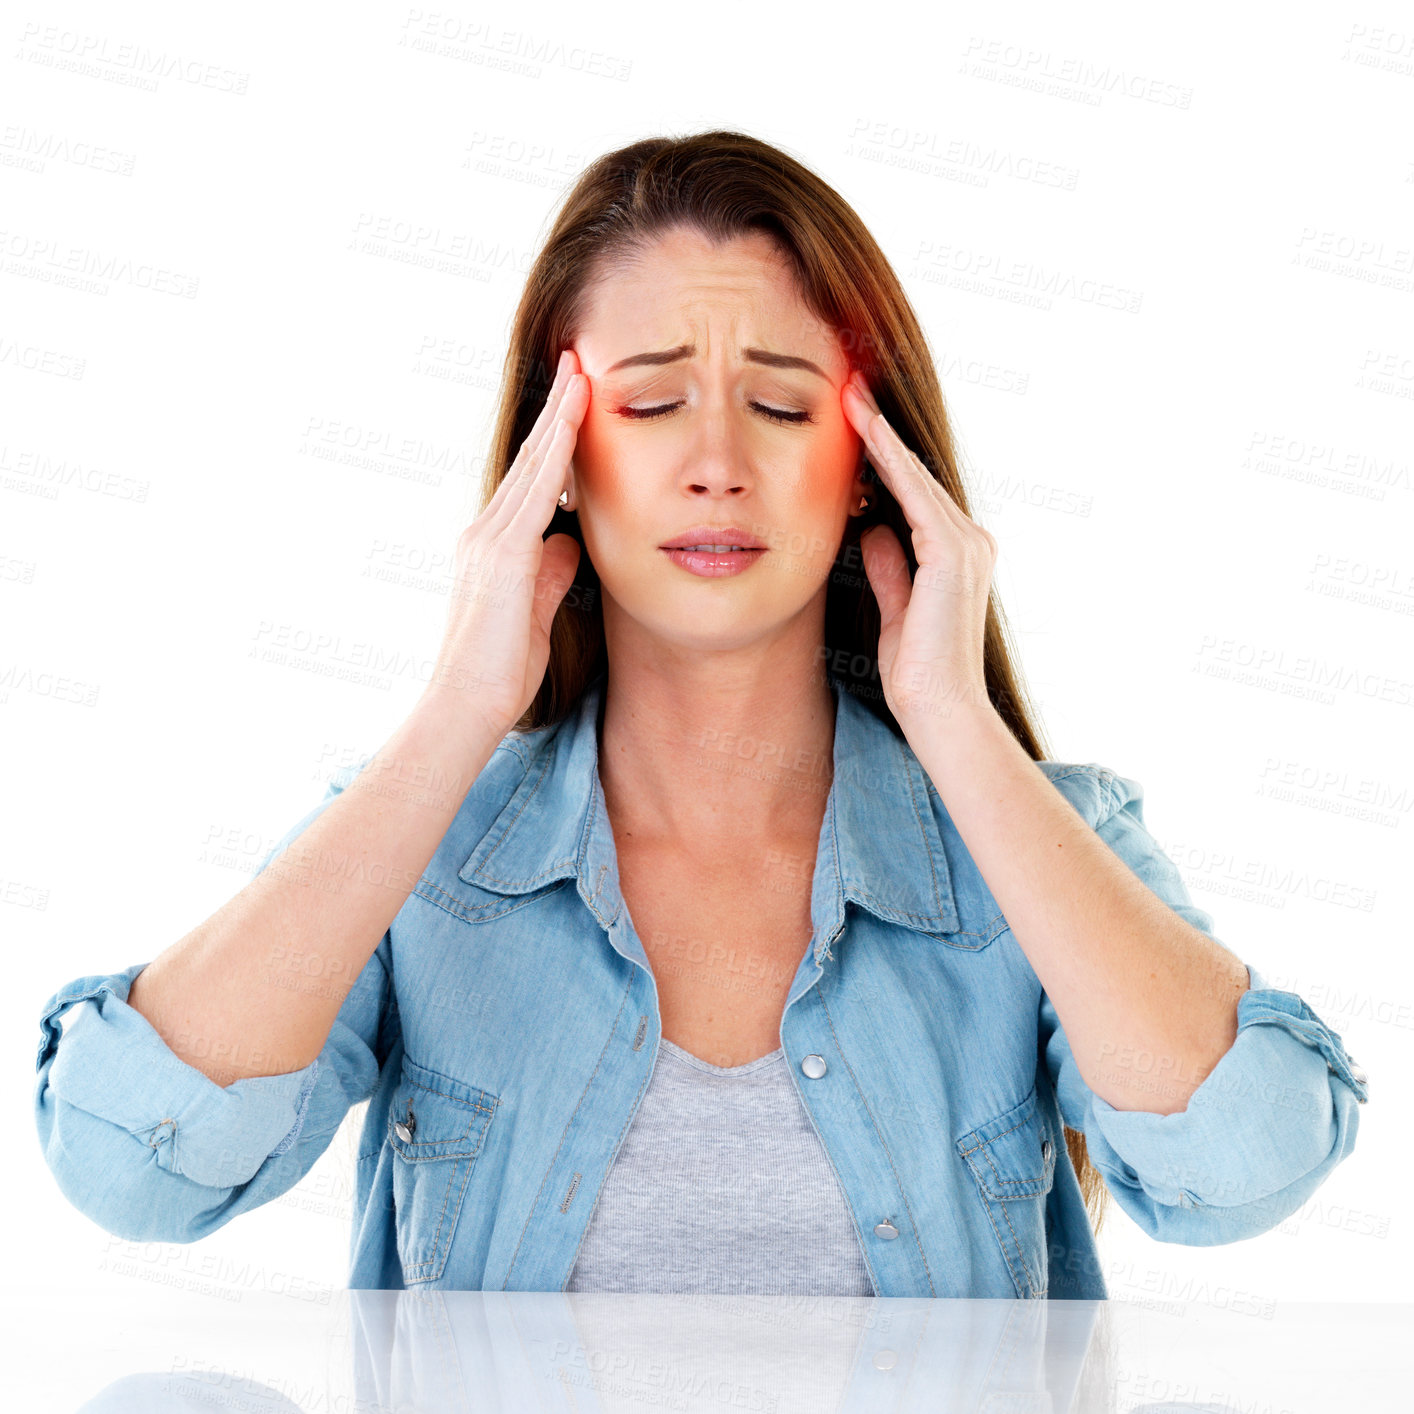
(931, 632)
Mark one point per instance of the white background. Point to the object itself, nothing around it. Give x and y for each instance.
(1203, 502)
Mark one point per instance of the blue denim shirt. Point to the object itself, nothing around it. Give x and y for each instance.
(507, 1024)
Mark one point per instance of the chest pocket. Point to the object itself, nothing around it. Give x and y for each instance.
(1013, 1161)
(436, 1127)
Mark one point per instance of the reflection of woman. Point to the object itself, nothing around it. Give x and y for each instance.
(711, 922)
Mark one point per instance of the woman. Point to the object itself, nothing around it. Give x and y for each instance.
(716, 921)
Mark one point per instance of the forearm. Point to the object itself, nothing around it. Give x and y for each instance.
(255, 989)
(1138, 989)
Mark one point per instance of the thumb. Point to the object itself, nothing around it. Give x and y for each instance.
(887, 568)
(559, 559)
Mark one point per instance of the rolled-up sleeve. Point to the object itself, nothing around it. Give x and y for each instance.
(150, 1147)
(1263, 1130)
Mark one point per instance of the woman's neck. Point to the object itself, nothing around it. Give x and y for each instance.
(708, 761)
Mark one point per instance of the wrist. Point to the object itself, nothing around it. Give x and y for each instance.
(455, 711)
(441, 737)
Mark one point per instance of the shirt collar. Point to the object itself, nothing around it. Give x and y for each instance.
(880, 846)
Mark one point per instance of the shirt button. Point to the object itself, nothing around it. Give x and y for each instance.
(1355, 1070)
(885, 1229)
(1045, 1151)
(813, 1066)
(403, 1132)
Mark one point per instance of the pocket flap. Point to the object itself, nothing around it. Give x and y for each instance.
(441, 1117)
(1012, 1156)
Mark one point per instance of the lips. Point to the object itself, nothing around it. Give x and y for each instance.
(721, 539)
(715, 564)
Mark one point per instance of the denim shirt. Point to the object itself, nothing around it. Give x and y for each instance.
(506, 1026)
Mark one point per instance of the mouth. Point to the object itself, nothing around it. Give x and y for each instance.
(714, 549)
(720, 540)
(713, 559)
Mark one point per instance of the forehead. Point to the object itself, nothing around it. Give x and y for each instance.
(683, 289)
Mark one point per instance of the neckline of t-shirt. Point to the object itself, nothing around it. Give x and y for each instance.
(697, 1063)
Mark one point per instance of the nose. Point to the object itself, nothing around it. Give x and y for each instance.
(716, 462)
(715, 486)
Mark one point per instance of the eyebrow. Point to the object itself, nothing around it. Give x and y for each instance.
(765, 356)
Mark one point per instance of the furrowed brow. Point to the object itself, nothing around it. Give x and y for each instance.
(682, 351)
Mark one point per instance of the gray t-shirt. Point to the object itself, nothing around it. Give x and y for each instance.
(722, 1186)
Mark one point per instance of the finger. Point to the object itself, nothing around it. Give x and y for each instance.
(903, 480)
(542, 487)
(537, 483)
(544, 426)
(541, 428)
(915, 488)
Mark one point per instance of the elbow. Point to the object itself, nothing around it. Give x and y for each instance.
(1246, 1205)
(113, 1178)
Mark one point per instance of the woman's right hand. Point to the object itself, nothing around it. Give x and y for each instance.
(508, 581)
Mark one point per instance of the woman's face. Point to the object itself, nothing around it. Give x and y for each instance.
(714, 342)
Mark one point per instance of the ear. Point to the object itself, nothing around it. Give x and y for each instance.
(865, 485)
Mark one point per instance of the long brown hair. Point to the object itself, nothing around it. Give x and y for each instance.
(726, 185)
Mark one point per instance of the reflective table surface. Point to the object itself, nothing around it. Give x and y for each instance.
(306, 1350)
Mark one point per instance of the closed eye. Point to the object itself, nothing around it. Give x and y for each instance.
(775, 414)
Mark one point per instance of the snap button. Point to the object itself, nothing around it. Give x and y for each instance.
(1358, 1073)
(885, 1229)
(1046, 1150)
(404, 1129)
(813, 1066)
(885, 1359)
